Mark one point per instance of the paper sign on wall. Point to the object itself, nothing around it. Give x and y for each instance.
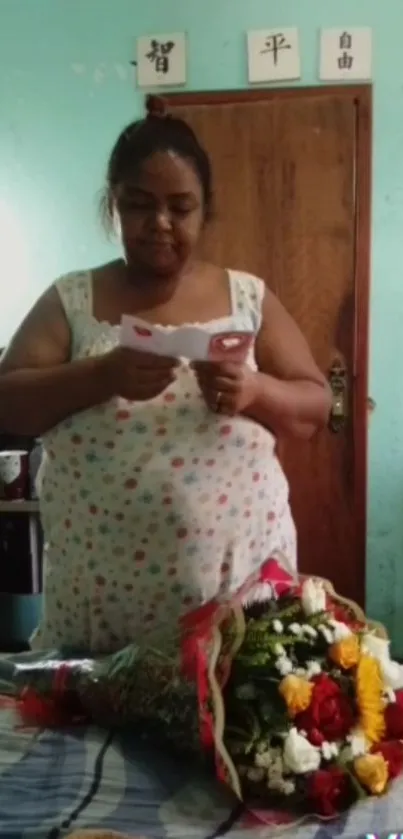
(191, 342)
(345, 55)
(273, 55)
(161, 60)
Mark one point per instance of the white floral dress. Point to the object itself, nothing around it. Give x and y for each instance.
(152, 508)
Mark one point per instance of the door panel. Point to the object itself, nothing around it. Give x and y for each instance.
(285, 209)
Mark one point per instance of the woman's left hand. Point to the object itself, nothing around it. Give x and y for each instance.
(228, 387)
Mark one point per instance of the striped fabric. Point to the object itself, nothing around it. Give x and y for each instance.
(54, 782)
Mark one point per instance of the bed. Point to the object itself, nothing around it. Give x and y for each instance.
(54, 782)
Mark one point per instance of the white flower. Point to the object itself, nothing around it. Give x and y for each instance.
(310, 631)
(276, 767)
(271, 760)
(255, 774)
(379, 648)
(389, 696)
(313, 597)
(392, 673)
(295, 628)
(313, 668)
(358, 743)
(327, 633)
(326, 750)
(329, 750)
(262, 746)
(288, 787)
(299, 755)
(285, 787)
(261, 594)
(278, 627)
(300, 671)
(279, 649)
(284, 665)
(274, 784)
(263, 760)
(340, 630)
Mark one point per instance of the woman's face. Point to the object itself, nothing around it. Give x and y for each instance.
(161, 214)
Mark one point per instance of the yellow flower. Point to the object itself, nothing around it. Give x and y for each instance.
(372, 773)
(369, 689)
(346, 653)
(297, 694)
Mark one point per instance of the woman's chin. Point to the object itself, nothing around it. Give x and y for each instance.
(163, 267)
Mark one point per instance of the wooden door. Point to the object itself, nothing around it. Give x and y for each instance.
(292, 206)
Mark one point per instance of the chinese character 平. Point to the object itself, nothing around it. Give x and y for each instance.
(274, 45)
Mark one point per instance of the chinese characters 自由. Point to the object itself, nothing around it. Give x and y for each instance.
(345, 59)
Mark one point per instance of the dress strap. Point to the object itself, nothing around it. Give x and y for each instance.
(75, 292)
(247, 294)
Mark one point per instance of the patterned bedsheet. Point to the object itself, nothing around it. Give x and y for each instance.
(54, 782)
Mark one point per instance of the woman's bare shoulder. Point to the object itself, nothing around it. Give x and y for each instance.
(106, 271)
(208, 271)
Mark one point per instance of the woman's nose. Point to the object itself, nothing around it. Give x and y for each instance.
(163, 220)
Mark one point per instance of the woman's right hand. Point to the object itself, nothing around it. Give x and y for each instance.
(137, 376)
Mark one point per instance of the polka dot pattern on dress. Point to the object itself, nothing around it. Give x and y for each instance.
(150, 509)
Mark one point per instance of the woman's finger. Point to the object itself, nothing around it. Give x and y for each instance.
(219, 383)
(153, 376)
(219, 402)
(229, 370)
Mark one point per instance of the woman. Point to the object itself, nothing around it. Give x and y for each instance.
(159, 485)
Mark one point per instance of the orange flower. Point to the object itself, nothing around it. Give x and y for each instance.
(369, 690)
(372, 772)
(297, 693)
(346, 653)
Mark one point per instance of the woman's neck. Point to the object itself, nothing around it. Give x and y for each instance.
(151, 288)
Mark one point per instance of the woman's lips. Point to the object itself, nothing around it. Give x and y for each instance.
(158, 243)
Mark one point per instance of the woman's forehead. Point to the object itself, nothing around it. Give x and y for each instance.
(165, 171)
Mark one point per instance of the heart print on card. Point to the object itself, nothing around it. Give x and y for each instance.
(230, 346)
(140, 335)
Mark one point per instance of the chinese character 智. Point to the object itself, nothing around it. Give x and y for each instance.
(159, 54)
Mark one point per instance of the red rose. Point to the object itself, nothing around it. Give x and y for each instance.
(393, 754)
(394, 718)
(330, 713)
(329, 792)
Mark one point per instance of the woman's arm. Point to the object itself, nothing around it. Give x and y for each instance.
(293, 396)
(39, 386)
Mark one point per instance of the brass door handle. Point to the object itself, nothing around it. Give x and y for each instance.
(338, 381)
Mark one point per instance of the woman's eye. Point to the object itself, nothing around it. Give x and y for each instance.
(135, 205)
(140, 206)
(180, 210)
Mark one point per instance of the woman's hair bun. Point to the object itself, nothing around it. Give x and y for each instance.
(156, 106)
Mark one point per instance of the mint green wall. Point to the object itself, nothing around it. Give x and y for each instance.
(66, 88)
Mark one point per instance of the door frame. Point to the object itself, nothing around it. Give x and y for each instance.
(361, 95)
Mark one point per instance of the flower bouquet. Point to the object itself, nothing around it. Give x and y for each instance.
(307, 715)
(138, 687)
(287, 685)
